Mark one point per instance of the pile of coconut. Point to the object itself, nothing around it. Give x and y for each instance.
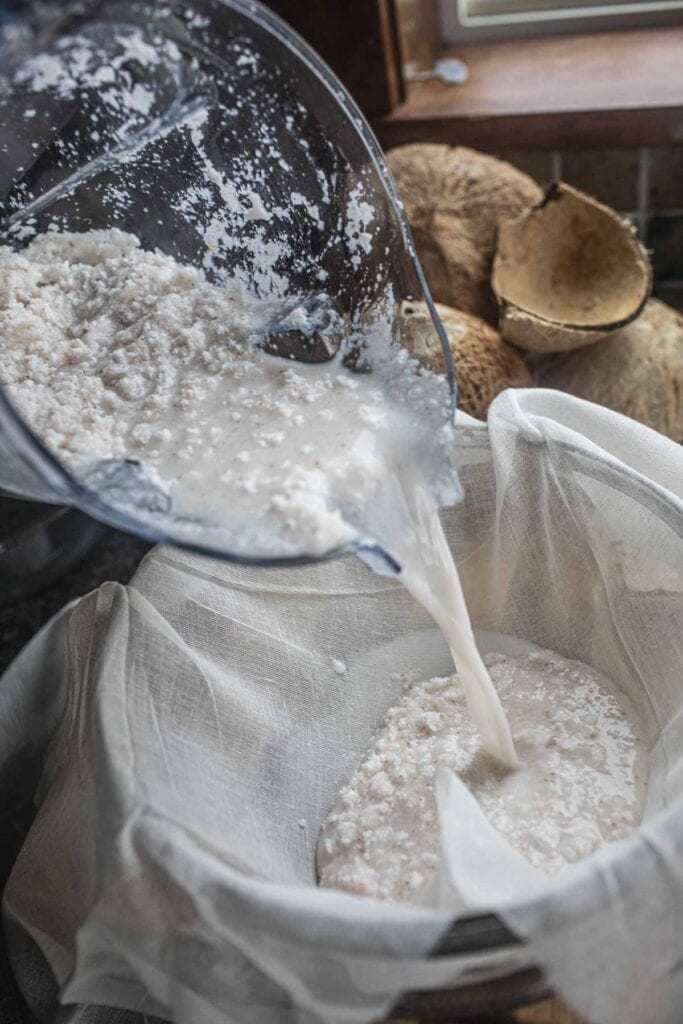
(538, 287)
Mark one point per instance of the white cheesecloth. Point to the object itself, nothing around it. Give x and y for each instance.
(186, 735)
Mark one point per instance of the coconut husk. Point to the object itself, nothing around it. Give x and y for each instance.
(454, 200)
(484, 364)
(568, 272)
(637, 371)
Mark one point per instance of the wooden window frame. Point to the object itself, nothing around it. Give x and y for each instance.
(359, 39)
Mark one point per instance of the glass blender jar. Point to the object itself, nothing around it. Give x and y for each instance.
(161, 120)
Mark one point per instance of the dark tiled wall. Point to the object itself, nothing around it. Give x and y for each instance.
(644, 184)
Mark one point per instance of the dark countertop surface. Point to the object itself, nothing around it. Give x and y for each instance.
(115, 556)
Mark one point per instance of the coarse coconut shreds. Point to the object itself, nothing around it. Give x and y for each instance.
(111, 352)
(580, 785)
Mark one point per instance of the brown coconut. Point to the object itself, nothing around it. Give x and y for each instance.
(454, 200)
(484, 364)
(567, 272)
(637, 371)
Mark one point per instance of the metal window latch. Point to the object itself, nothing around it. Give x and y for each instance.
(449, 70)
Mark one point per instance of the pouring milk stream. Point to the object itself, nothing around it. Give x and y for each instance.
(119, 357)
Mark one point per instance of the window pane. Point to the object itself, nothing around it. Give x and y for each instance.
(484, 8)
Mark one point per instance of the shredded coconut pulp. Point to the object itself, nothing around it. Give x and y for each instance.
(580, 784)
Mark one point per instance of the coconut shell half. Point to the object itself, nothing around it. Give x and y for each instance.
(567, 272)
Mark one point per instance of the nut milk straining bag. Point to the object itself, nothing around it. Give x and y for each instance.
(196, 733)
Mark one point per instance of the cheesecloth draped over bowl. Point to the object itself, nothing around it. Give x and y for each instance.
(183, 738)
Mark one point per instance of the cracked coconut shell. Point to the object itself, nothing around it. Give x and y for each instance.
(454, 200)
(637, 371)
(484, 364)
(567, 272)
